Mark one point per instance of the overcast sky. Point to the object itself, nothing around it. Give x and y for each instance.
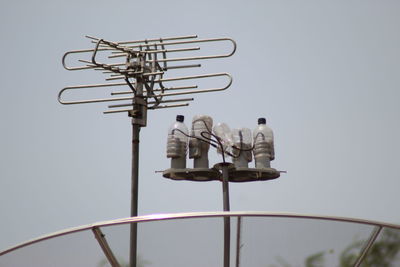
(325, 74)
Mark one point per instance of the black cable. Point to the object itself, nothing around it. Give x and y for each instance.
(217, 141)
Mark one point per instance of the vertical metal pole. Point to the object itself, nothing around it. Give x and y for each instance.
(139, 118)
(238, 240)
(227, 222)
(134, 193)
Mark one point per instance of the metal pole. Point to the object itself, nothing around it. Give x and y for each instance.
(227, 222)
(105, 247)
(134, 193)
(238, 241)
(368, 246)
(139, 118)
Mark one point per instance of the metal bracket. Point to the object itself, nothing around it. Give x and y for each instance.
(105, 247)
(139, 111)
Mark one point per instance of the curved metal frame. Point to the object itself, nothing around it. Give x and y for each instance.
(191, 215)
(159, 41)
(197, 91)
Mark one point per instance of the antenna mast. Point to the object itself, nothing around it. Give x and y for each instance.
(142, 66)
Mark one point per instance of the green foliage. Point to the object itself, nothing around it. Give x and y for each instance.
(383, 253)
(350, 254)
(315, 260)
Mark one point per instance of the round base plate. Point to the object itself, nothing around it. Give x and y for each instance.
(198, 174)
(252, 174)
(237, 175)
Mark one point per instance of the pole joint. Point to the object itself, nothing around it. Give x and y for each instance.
(139, 111)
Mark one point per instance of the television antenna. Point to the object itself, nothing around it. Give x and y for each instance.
(143, 66)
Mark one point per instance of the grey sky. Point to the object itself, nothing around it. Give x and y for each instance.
(325, 74)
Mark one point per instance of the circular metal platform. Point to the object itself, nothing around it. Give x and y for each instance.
(235, 174)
